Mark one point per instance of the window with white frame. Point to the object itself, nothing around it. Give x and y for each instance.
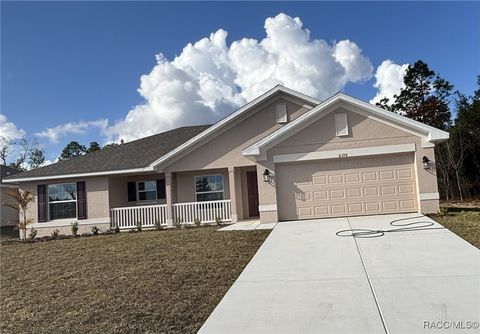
(147, 190)
(209, 188)
(62, 201)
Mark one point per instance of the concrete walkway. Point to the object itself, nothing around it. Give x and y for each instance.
(306, 279)
(248, 225)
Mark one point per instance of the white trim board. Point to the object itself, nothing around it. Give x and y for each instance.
(267, 207)
(68, 176)
(345, 153)
(429, 196)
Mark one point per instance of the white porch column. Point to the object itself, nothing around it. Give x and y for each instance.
(233, 193)
(169, 197)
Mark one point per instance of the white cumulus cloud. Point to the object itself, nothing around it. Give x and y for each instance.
(55, 133)
(210, 78)
(389, 80)
(8, 130)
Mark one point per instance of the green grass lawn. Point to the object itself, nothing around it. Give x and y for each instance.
(149, 282)
(465, 224)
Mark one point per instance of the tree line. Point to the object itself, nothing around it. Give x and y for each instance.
(75, 149)
(30, 156)
(430, 99)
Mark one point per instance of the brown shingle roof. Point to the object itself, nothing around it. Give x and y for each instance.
(135, 154)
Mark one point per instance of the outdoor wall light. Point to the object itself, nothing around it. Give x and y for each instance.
(427, 163)
(266, 175)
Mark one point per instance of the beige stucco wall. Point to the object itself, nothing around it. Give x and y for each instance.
(84, 227)
(119, 191)
(8, 215)
(225, 150)
(363, 132)
(97, 205)
(321, 135)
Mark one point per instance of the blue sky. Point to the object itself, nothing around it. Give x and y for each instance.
(76, 62)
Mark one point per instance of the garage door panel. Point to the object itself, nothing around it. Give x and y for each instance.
(321, 210)
(352, 177)
(354, 192)
(369, 176)
(405, 173)
(320, 195)
(407, 204)
(335, 179)
(372, 207)
(387, 175)
(388, 190)
(406, 189)
(355, 208)
(384, 184)
(370, 191)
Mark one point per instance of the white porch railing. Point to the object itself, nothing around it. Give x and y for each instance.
(147, 215)
(206, 212)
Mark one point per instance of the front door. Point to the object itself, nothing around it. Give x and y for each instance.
(252, 190)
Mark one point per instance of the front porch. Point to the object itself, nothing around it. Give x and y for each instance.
(187, 213)
(166, 199)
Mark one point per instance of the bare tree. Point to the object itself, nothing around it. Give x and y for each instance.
(443, 167)
(5, 144)
(27, 153)
(456, 148)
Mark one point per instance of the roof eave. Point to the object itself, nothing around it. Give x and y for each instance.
(68, 176)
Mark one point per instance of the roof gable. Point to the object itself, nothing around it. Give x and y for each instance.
(429, 133)
(232, 118)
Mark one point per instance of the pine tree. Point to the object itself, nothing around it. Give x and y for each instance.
(73, 149)
(94, 146)
(425, 97)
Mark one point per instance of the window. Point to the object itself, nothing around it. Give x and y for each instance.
(282, 116)
(147, 190)
(341, 124)
(209, 187)
(62, 201)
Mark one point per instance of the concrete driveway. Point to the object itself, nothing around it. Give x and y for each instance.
(306, 279)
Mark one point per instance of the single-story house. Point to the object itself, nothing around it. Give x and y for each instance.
(8, 215)
(283, 156)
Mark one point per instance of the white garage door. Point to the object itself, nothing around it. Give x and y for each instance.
(346, 187)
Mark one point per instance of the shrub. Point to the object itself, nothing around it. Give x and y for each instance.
(443, 211)
(55, 234)
(75, 229)
(139, 226)
(95, 230)
(117, 229)
(218, 221)
(158, 225)
(32, 234)
(197, 222)
(178, 223)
